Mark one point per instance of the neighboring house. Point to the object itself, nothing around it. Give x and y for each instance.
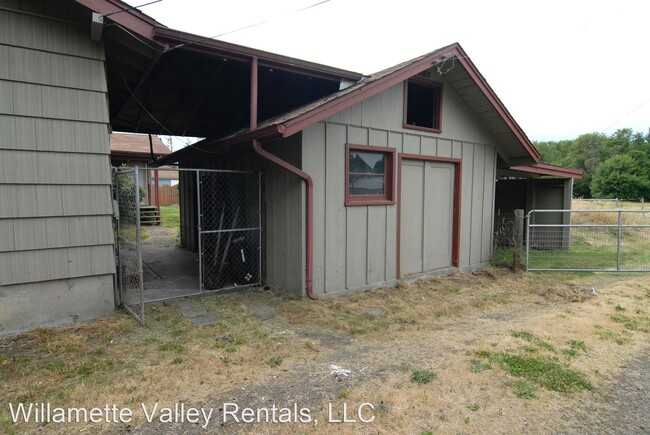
(141, 150)
(366, 179)
(135, 149)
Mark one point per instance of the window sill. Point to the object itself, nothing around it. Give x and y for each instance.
(366, 202)
(427, 129)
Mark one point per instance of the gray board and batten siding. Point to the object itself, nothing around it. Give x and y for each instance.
(355, 248)
(56, 239)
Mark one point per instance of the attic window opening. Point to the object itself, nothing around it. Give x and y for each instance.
(423, 105)
(369, 175)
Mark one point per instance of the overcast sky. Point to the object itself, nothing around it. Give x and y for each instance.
(562, 68)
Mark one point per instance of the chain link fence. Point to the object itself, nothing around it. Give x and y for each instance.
(588, 240)
(230, 229)
(128, 194)
(503, 239)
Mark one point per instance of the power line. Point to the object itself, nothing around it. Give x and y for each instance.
(626, 115)
(119, 11)
(247, 27)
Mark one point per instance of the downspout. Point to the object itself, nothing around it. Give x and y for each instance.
(309, 205)
(309, 201)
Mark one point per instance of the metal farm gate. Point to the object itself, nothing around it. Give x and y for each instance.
(588, 240)
(226, 218)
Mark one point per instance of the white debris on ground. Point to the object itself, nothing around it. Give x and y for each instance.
(340, 372)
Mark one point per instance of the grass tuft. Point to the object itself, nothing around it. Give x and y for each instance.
(476, 365)
(423, 376)
(542, 371)
(532, 338)
(525, 390)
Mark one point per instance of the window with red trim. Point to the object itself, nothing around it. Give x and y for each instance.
(369, 175)
(422, 105)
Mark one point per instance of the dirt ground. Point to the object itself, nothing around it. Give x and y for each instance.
(334, 357)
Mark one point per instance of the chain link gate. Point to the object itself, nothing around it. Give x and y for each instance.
(230, 229)
(127, 193)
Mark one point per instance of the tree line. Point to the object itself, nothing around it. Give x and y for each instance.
(615, 166)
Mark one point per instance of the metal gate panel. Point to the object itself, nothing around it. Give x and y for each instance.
(127, 194)
(230, 230)
(588, 240)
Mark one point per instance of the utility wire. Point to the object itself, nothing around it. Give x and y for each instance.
(131, 8)
(246, 27)
(626, 115)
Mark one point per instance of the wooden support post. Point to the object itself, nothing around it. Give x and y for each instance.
(518, 239)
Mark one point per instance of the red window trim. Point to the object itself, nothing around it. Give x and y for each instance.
(438, 112)
(388, 198)
(458, 180)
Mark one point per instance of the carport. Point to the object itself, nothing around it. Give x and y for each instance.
(167, 82)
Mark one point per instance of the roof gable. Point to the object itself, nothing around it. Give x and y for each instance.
(466, 80)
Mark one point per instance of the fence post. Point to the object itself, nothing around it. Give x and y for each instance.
(518, 238)
(618, 243)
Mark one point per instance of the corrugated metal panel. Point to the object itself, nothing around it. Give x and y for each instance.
(42, 34)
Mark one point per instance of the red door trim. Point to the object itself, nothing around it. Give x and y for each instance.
(458, 177)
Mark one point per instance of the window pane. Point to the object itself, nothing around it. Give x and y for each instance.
(421, 106)
(367, 162)
(366, 184)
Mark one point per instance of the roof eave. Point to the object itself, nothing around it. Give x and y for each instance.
(549, 170)
(273, 131)
(183, 39)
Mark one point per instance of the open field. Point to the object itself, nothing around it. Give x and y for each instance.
(475, 353)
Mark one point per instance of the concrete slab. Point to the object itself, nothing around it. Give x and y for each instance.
(191, 308)
(169, 272)
(196, 313)
(204, 320)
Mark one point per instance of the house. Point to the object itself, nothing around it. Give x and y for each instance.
(131, 150)
(366, 179)
(135, 149)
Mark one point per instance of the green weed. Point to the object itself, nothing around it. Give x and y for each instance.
(532, 338)
(542, 371)
(524, 390)
(478, 366)
(423, 376)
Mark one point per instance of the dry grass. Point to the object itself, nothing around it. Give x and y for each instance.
(609, 218)
(435, 326)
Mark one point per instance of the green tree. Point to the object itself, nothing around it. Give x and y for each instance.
(625, 176)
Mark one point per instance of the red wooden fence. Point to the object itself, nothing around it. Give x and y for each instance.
(168, 195)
